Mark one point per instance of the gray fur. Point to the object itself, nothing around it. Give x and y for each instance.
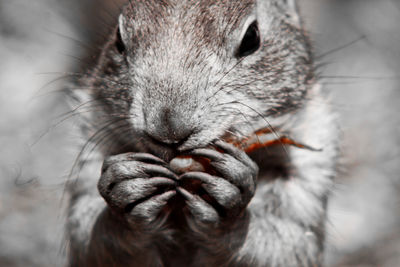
(179, 81)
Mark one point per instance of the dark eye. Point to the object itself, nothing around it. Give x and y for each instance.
(250, 42)
(119, 44)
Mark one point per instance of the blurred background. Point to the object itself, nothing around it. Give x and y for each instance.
(43, 42)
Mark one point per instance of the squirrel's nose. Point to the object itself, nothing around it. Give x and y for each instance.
(168, 128)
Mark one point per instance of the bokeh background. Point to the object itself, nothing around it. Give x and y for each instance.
(43, 42)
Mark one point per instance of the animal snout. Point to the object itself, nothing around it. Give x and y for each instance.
(168, 128)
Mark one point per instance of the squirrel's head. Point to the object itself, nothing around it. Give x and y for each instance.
(180, 74)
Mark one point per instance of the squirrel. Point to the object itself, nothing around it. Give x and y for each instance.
(173, 79)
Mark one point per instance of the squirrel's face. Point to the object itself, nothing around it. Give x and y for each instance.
(183, 73)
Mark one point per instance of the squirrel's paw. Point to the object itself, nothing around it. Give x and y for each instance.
(227, 193)
(138, 186)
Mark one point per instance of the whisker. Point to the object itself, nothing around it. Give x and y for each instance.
(73, 113)
(96, 139)
(77, 41)
(274, 132)
(93, 138)
(385, 78)
(76, 58)
(79, 156)
(103, 140)
(125, 143)
(78, 75)
(246, 119)
(324, 54)
(223, 76)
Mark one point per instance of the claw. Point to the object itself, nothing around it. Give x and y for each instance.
(155, 170)
(142, 157)
(204, 177)
(200, 209)
(148, 158)
(133, 191)
(236, 153)
(207, 153)
(150, 208)
(226, 194)
(229, 148)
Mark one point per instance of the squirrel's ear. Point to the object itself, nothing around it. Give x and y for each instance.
(293, 11)
(122, 26)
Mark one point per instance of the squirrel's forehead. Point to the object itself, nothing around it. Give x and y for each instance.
(161, 13)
